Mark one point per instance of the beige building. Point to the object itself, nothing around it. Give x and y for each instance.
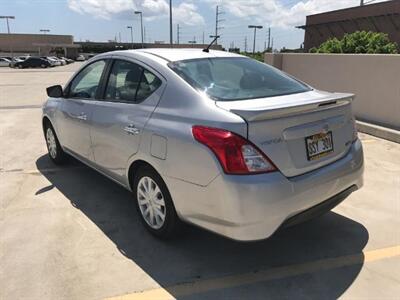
(37, 44)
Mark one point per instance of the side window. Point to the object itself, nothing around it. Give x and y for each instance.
(130, 82)
(86, 83)
(124, 81)
(148, 85)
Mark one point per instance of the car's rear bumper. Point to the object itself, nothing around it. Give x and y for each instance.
(253, 207)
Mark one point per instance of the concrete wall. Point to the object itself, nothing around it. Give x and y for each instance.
(26, 42)
(374, 79)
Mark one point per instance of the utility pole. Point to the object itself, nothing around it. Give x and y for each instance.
(44, 30)
(254, 41)
(272, 45)
(119, 33)
(203, 38)
(170, 22)
(217, 21)
(141, 24)
(178, 33)
(130, 27)
(245, 44)
(7, 18)
(269, 37)
(144, 33)
(361, 2)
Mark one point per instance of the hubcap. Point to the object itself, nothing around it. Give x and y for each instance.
(151, 202)
(51, 143)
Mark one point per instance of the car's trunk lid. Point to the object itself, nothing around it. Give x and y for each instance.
(280, 125)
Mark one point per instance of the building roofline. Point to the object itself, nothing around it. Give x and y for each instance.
(387, 8)
(366, 6)
(342, 20)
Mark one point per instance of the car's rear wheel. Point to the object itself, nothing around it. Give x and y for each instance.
(56, 153)
(154, 203)
(43, 66)
(19, 66)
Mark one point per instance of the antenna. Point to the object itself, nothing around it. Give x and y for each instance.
(208, 47)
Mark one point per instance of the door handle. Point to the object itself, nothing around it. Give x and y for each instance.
(82, 116)
(131, 129)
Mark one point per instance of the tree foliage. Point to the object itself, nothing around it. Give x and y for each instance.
(358, 42)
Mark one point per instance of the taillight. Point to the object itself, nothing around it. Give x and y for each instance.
(236, 154)
(355, 132)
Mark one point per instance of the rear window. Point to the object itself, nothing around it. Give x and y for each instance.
(236, 78)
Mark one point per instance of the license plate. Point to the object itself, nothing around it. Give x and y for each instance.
(319, 145)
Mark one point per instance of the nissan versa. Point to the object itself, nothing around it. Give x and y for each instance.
(207, 137)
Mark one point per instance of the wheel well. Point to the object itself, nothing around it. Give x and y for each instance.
(136, 165)
(45, 122)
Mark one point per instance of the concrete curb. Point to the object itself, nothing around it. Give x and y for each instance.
(379, 131)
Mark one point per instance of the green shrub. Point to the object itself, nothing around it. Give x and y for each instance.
(257, 56)
(358, 42)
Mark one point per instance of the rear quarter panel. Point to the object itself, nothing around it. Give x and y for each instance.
(179, 109)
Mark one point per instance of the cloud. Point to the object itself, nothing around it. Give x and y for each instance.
(277, 13)
(185, 13)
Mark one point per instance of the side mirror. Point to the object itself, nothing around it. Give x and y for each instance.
(55, 91)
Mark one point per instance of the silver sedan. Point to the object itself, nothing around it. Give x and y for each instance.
(209, 138)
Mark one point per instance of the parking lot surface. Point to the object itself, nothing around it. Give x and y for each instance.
(70, 233)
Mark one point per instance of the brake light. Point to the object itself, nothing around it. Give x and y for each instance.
(236, 154)
(355, 131)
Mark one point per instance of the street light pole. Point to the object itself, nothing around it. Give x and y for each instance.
(8, 31)
(8, 25)
(170, 22)
(141, 24)
(130, 27)
(254, 41)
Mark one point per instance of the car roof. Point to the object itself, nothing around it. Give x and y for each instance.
(176, 54)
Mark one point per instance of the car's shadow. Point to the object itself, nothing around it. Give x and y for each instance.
(198, 254)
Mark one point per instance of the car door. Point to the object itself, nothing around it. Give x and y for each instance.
(36, 62)
(76, 111)
(26, 63)
(3, 62)
(130, 96)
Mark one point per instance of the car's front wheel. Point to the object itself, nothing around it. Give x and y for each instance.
(154, 203)
(56, 153)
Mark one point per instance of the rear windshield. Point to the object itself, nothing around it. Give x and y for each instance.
(236, 78)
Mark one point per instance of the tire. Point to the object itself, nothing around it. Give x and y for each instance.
(160, 202)
(43, 66)
(19, 66)
(56, 153)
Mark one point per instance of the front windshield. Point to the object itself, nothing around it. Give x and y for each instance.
(236, 78)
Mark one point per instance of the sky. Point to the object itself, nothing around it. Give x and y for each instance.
(103, 20)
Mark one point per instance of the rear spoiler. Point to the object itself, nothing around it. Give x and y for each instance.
(278, 110)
